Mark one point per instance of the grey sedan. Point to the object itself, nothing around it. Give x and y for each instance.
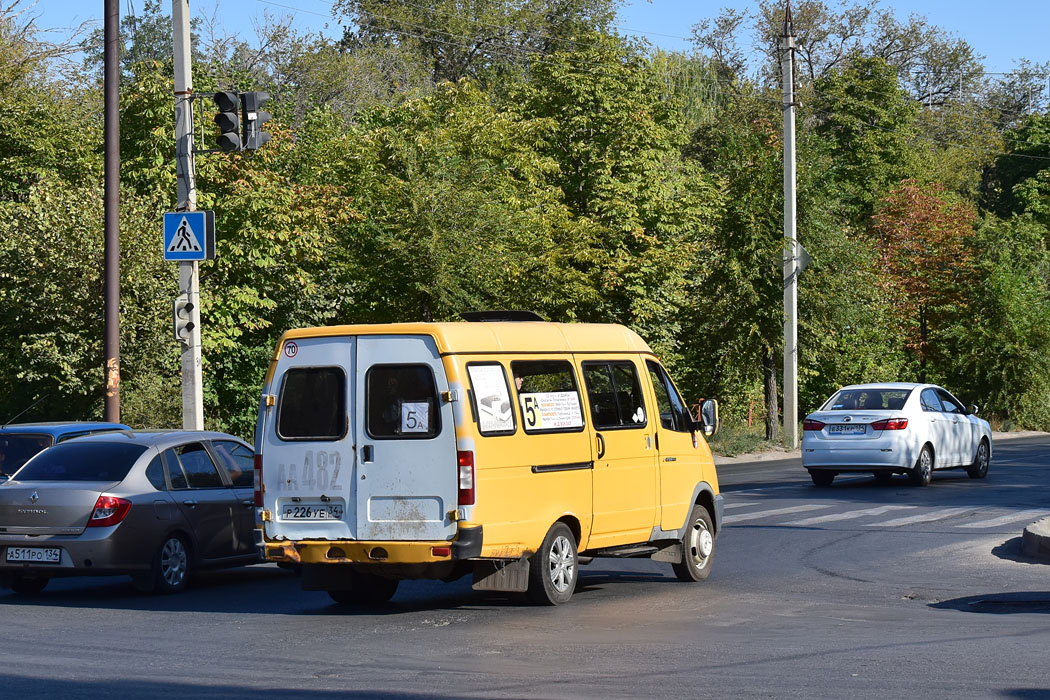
(155, 505)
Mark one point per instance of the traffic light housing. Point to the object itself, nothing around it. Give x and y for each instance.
(229, 121)
(183, 318)
(252, 137)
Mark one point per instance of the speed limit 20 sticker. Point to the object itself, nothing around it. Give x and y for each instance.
(291, 349)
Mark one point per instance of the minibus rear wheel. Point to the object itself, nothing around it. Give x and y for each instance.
(698, 547)
(553, 570)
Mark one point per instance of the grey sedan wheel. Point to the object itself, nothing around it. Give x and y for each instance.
(922, 472)
(979, 468)
(171, 566)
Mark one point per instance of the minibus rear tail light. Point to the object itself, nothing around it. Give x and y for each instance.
(258, 480)
(465, 458)
(810, 424)
(890, 424)
(108, 510)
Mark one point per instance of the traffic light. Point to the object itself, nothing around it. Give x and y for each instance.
(229, 121)
(252, 119)
(183, 318)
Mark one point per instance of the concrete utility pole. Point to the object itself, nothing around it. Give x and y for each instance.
(111, 208)
(189, 280)
(791, 267)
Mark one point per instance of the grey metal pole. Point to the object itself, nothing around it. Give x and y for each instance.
(111, 208)
(189, 280)
(787, 46)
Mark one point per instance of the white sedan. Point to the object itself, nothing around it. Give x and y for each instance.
(894, 428)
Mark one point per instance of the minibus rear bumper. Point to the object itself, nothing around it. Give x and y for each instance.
(466, 546)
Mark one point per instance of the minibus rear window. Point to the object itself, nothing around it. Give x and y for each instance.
(313, 404)
(547, 396)
(402, 402)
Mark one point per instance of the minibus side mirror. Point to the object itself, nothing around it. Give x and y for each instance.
(709, 417)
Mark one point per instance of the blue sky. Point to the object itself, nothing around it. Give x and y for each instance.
(1003, 31)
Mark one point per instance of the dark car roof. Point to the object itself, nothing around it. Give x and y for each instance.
(160, 439)
(60, 428)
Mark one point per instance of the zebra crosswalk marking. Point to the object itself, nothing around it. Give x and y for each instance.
(940, 514)
(729, 519)
(848, 515)
(739, 505)
(1004, 519)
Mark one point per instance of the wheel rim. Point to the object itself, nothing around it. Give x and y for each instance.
(982, 458)
(926, 464)
(562, 564)
(173, 562)
(701, 543)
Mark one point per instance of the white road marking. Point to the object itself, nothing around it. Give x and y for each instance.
(939, 514)
(1004, 519)
(848, 515)
(739, 505)
(767, 513)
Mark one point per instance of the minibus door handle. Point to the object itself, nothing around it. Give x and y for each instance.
(601, 445)
(366, 453)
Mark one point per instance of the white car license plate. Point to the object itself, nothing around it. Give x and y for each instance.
(846, 429)
(36, 555)
(312, 511)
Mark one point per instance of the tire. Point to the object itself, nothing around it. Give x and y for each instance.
(698, 547)
(922, 473)
(883, 475)
(553, 570)
(367, 589)
(28, 585)
(979, 468)
(821, 478)
(171, 566)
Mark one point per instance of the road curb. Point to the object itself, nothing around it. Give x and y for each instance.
(1035, 540)
(781, 455)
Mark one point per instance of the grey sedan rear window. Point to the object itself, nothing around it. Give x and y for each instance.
(80, 461)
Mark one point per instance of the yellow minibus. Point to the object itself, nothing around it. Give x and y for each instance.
(510, 450)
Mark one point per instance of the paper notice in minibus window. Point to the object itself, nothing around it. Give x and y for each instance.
(493, 398)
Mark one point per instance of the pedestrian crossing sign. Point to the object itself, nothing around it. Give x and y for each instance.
(189, 235)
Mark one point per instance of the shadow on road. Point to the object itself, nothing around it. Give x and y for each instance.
(999, 603)
(19, 686)
(1011, 551)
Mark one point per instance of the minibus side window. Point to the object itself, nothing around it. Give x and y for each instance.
(492, 408)
(673, 415)
(312, 405)
(401, 402)
(614, 395)
(547, 396)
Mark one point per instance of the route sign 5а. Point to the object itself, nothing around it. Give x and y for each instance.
(189, 235)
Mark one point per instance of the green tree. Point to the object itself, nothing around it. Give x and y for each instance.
(618, 146)
(1002, 353)
(869, 124)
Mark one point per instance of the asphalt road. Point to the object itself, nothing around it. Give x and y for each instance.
(861, 590)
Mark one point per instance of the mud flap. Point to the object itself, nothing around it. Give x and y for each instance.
(671, 554)
(502, 575)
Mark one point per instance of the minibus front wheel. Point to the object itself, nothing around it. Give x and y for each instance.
(698, 547)
(554, 568)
